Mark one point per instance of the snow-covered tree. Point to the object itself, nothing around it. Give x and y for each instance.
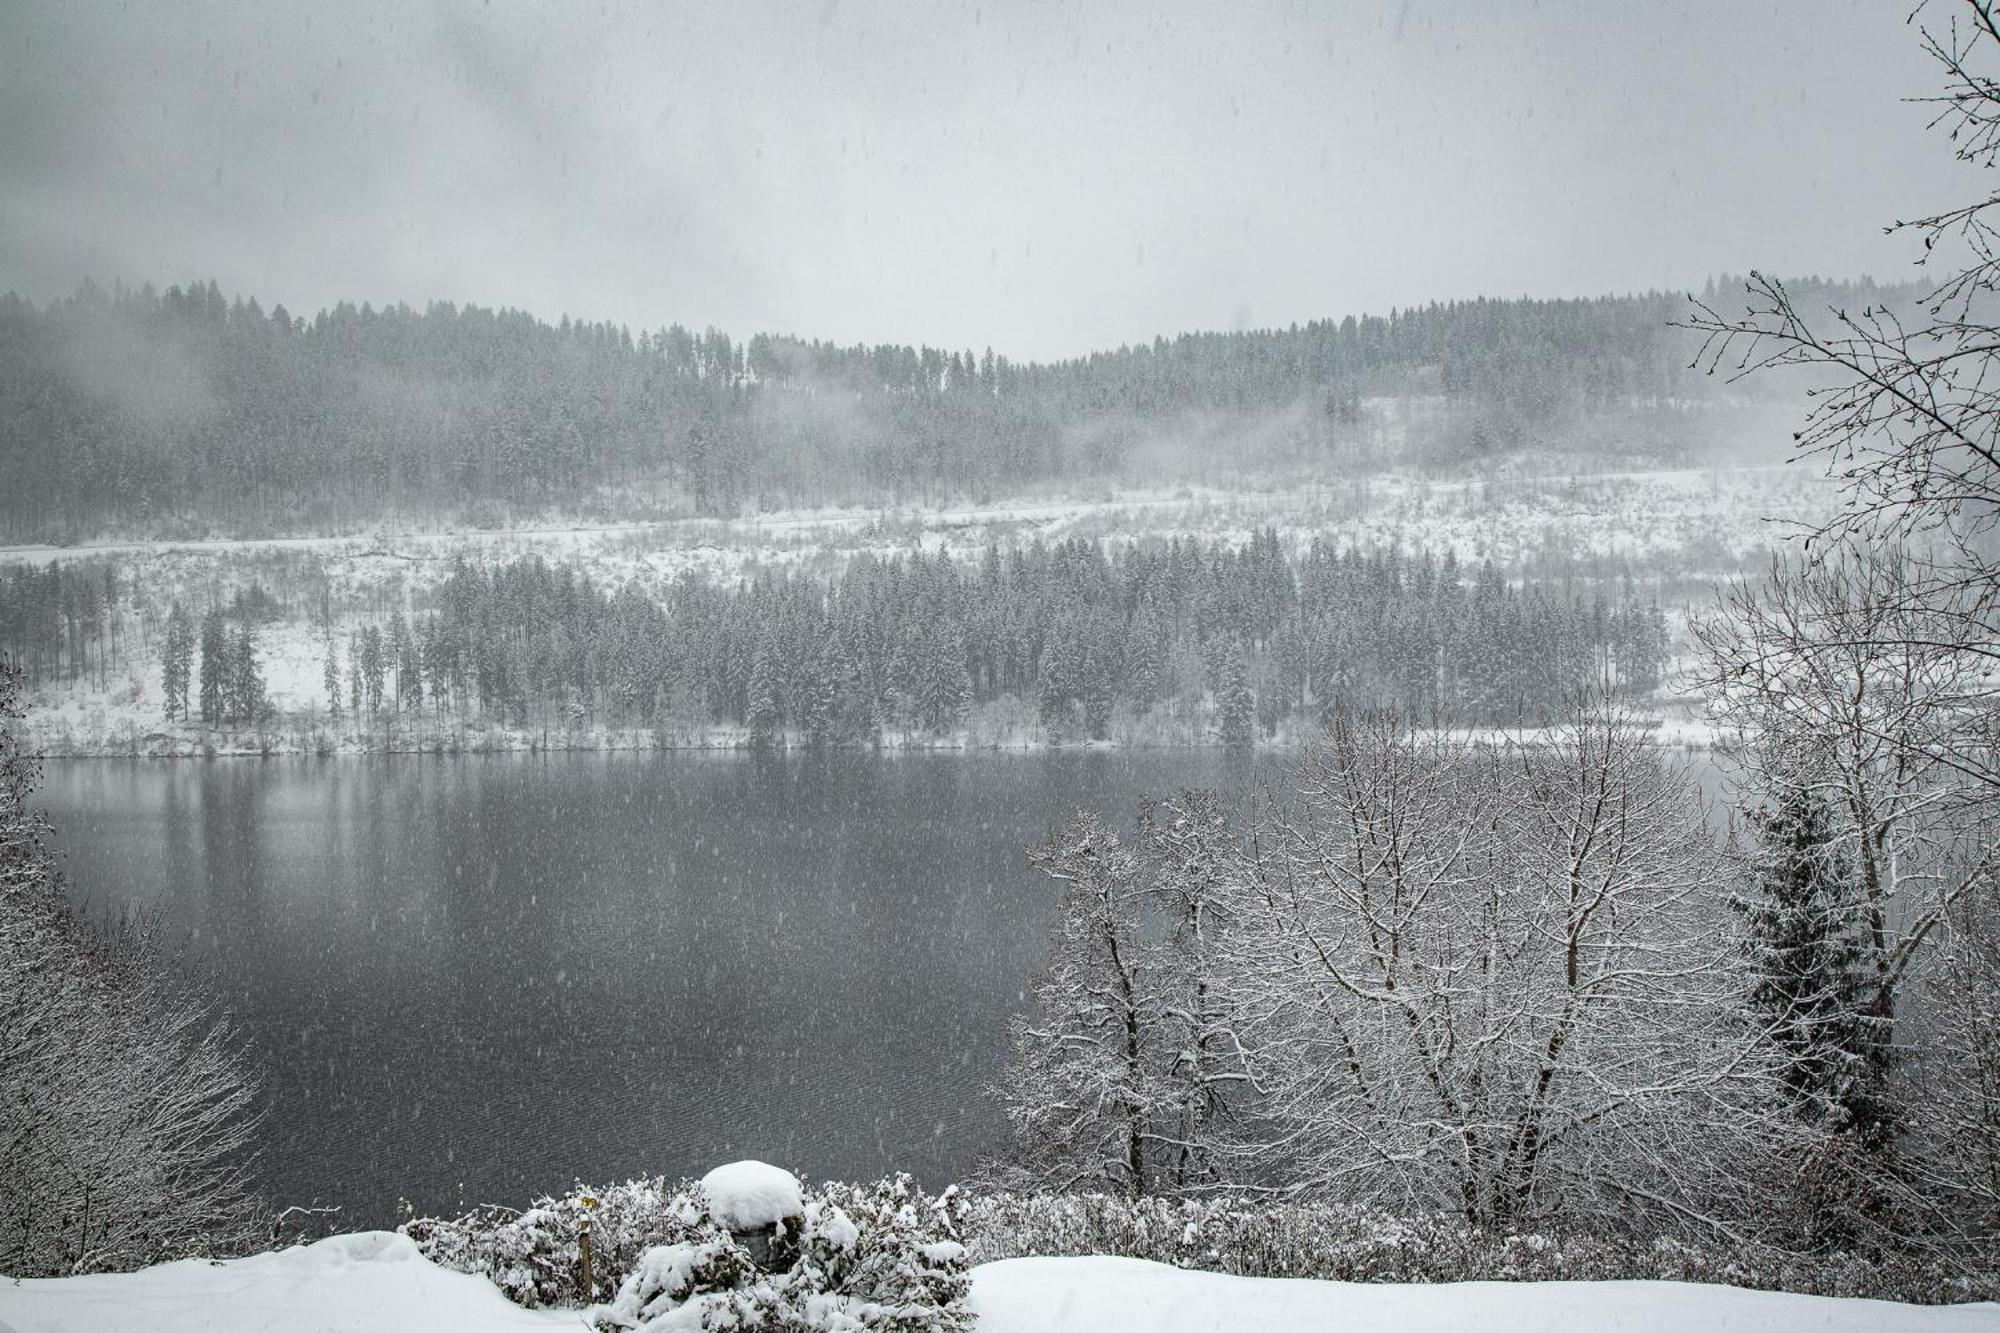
(1194, 871)
(1080, 1090)
(124, 1097)
(762, 711)
(1802, 665)
(1952, 1144)
(1803, 931)
(1491, 980)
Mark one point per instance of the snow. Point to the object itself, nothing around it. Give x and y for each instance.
(744, 1196)
(367, 1282)
(376, 1282)
(1099, 1295)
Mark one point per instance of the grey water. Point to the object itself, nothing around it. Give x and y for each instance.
(480, 979)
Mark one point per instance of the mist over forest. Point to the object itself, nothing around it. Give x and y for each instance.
(189, 413)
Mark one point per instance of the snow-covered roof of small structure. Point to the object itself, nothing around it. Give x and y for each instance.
(744, 1196)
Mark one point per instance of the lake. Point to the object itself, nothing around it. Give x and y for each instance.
(476, 979)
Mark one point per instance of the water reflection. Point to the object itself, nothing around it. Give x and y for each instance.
(507, 973)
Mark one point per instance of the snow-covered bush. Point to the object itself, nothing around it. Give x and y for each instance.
(534, 1256)
(868, 1257)
(1361, 1244)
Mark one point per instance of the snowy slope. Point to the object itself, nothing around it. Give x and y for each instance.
(376, 1282)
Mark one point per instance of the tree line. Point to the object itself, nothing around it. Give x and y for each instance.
(1079, 632)
(60, 621)
(172, 411)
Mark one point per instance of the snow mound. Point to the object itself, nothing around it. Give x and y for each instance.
(1101, 1295)
(367, 1282)
(744, 1196)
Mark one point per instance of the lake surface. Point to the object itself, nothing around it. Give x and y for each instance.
(477, 979)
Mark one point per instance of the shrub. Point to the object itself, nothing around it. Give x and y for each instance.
(874, 1257)
(1361, 1244)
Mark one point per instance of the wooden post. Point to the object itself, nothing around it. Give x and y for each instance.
(583, 1251)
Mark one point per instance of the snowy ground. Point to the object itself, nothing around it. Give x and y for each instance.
(1133, 1296)
(376, 1282)
(1505, 517)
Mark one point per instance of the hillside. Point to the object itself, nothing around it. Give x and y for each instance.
(188, 414)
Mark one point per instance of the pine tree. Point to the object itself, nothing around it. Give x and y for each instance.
(179, 661)
(762, 711)
(409, 669)
(331, 677)
(943, 687)
(1802, 930)
(1235, 703)
(373, 667)
(354, 675)
(214, 667)
(244, 681)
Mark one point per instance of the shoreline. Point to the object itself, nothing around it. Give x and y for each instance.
(306, 739)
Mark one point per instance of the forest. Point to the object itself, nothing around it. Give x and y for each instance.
(185, 412)
(1076, 633)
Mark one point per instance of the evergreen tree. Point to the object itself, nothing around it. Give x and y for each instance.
(214, 667)
(178, 661)
(409, 668)
(1235, 703)
(331, 677)
(761, 711)
(1802, 919)
(942, 686)
(374, 668)
(244, 696)
(354, 682)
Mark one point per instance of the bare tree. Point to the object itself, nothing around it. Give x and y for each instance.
(1081, 1093)
(1905, 414)
(1496, 980)
(124, 1098)
(1195, 870)
(1955, 1073)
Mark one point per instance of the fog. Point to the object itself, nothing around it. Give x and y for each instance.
(1044, 179)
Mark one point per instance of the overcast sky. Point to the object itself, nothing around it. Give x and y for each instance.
(1042, 178)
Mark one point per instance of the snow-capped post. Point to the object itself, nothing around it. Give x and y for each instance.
(583, 1250)
(762, 1207)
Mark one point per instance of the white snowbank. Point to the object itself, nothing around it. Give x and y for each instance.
(1100, 1295)
(376, 1282)
(750, 1194)
(368, 1282)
